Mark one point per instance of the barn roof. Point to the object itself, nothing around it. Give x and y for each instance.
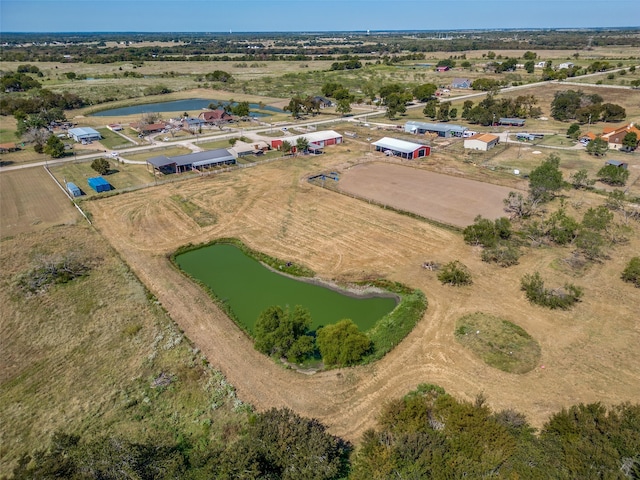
(79, 131)
(435, 127)
(195, 159)
(397, 145)
(484, 137)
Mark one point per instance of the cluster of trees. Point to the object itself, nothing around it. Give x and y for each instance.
(304, 105)
(429, 434)
(455, 273)
(491, 108)
(276, 444)
(496, 239)
(219, 76)
(352, 64)
(631, 273)
(584, 108)
(18, 82)
(286, 334)
(426, 434)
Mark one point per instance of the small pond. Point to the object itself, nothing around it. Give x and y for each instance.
(177, 106)
(248, 288)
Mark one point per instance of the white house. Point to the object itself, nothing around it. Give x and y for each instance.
(481, 141)
(565, 65)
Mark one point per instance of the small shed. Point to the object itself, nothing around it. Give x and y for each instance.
(617, 163)
(512, 122)
(73, 189)
(99, 184)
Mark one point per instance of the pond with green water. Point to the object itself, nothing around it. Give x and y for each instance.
(248, 288)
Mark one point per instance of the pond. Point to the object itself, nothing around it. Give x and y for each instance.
(177, 106)
(248, 288)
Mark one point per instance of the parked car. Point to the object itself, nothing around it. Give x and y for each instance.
(626, 149)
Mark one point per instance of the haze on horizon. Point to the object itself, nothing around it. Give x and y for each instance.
(239, 16)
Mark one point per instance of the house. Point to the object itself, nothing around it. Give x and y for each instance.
(442, 69)
(84, 134)
(216, 117)
(565, 65)
(512, 122)
(615, 136)
(401, 148)
(191, 123)
(540, 65)
(320, 139)
(321, 101)
(461, 83)
(148, 128)
(241, 149)
(445, 130)
(115, 127)
(192, 161)
(617, 163)
(481, 141)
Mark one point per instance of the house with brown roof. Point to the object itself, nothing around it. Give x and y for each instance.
(8, 147)
(481, 141)
(146, 129)
(615, 136)
(215, 117)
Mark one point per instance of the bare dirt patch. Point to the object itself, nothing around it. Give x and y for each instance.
(446, 199)
(30, 199)
(589, 352)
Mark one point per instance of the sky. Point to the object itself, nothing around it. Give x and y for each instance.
(310, 15)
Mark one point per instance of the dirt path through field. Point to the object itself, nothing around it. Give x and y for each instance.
(271, 208)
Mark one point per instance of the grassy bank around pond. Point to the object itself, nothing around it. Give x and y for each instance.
(387, 332)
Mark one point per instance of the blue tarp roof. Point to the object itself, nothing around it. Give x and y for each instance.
(93, 181)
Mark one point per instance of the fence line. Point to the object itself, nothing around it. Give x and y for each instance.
(66, 192)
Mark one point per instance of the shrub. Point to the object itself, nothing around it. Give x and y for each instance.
(562, 298)
(455, 273)
(503, 255)
(631, 273)
(612, 175)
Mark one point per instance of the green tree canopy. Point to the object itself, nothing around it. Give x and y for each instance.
(54, 147)
(425, 91)
(280, 332)
(613, 175)
(101, 165)
(597, 147)
(342, 343)
(546, 180)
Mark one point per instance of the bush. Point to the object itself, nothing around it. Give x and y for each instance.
(631, 273)
(284, 333)
(612, 175)
(487, 233)
(504, 255)
(455, 273)
(534, 289)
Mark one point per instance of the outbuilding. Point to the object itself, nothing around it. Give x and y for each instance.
(512, 122)
(401, 148)
(617, 163)
(84, 134)
(73, 189)
(481, 141)
(99, 184)
(320, 139)
(445, 130)
(191, 161)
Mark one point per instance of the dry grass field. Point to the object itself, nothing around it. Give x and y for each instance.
(588, 353)
(30, 200)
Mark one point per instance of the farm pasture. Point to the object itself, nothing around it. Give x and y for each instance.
(30, 200)
(588, 352)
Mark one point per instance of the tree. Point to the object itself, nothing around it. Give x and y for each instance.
(279, 332)
(487, 233)
(424, 92)
(342, 343)
(294, 106)
(101, 165)
(519, 206)
(443, 111)
(302, 144)
(630, 140)
(54, 147)
(613, 175)
(329, 88)
(597, 147)
(430, 108)
(561, 228)
(631, 273)
(286, 147)
(546, 180)
(612, 112)
(344, 106)
(573, 131)
(241, 109)
(535, 291)
(580, 179)
(529, 66)
(530, 55)
(455, 273)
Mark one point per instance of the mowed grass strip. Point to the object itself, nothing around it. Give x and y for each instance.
(498, 342)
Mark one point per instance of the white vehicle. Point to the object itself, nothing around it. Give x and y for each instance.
(468, 133)
(113, 154)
